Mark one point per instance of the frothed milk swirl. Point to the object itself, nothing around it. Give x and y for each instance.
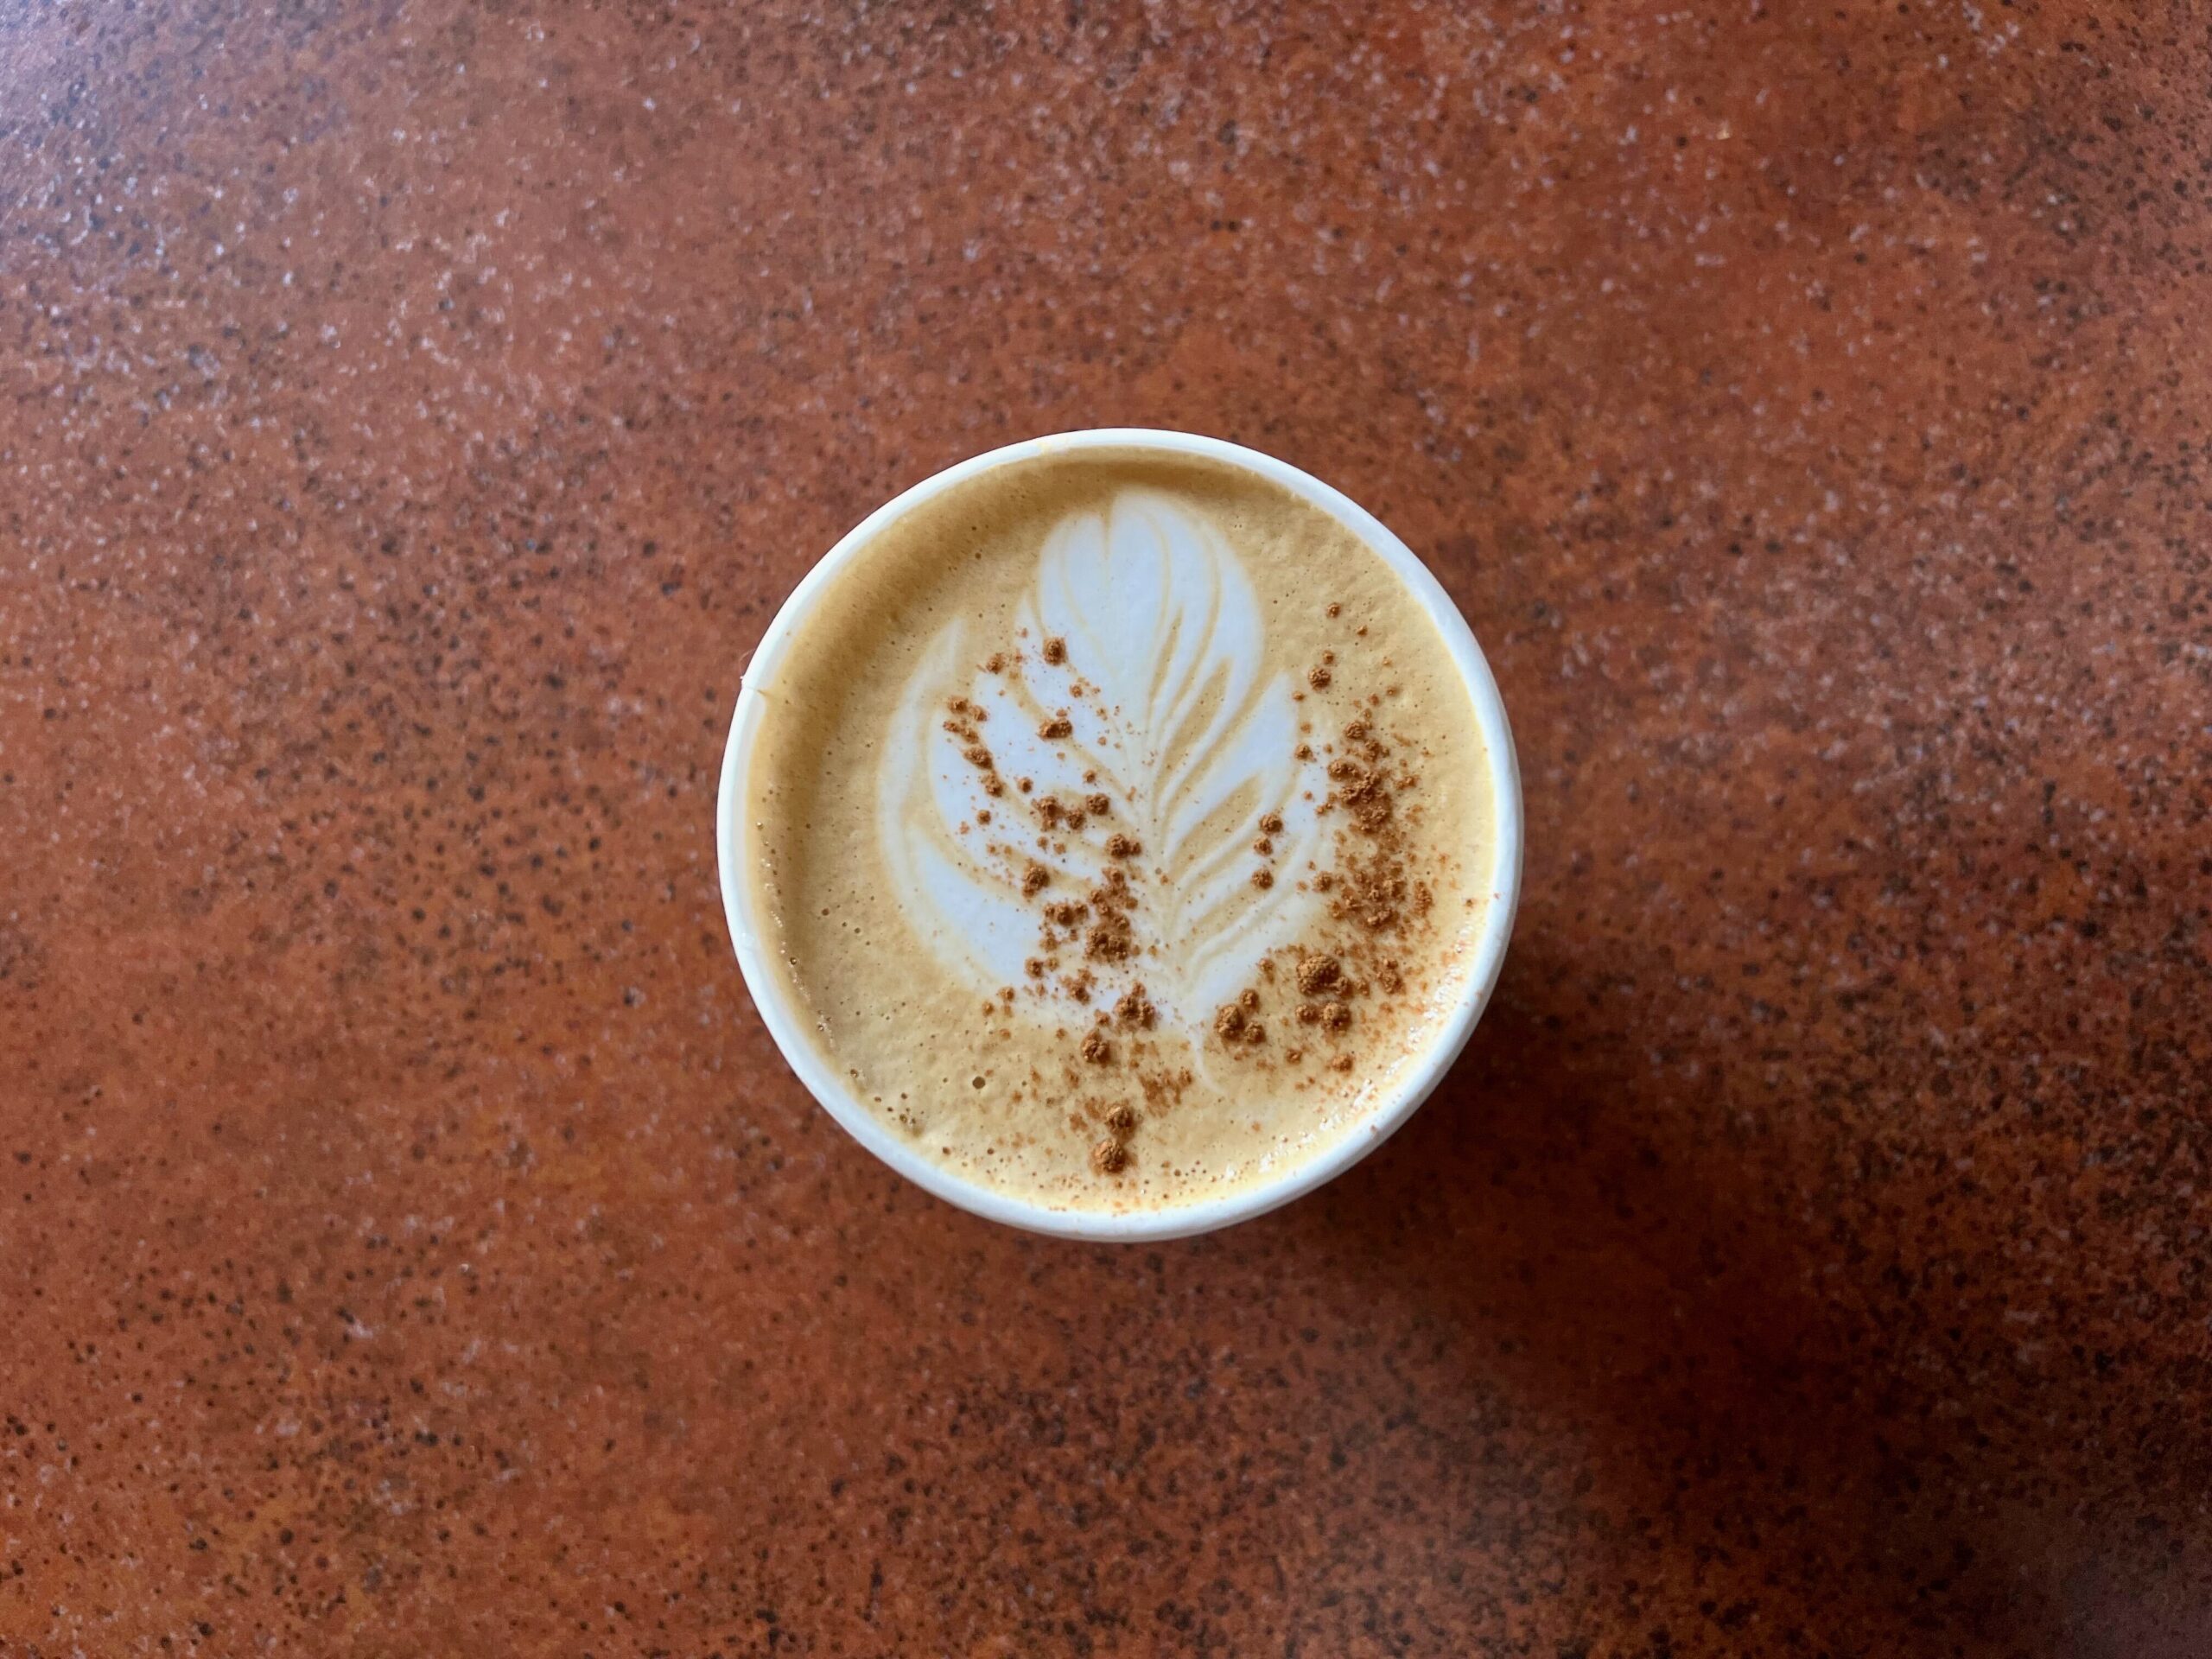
(1124, 829)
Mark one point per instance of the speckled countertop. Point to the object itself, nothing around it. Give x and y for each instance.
(409, 1242)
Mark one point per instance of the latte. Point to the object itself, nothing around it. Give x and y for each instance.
(1123, 826)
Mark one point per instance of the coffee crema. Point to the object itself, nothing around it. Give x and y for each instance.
(1125, 829)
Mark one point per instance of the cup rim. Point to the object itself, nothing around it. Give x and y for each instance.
(790, 1029)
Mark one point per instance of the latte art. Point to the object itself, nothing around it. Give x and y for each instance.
(1134, 719)
(1121, 823)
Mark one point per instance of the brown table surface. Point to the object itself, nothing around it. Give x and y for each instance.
(412, 1243)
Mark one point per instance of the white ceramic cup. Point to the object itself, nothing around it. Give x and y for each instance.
(788, 1024)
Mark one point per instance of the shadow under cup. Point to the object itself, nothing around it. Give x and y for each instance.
(789, 1024)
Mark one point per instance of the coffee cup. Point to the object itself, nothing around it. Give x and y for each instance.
(790, 655)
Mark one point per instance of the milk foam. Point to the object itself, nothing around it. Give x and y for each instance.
(1175, 719)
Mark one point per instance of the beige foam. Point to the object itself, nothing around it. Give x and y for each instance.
(901, 924)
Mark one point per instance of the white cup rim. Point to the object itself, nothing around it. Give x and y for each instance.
(789, 1027)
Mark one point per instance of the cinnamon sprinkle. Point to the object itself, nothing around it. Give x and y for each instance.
(1164, 1089)
(1135, 1008)
(1365, 883)
(1111, 1155)
(1111, 939)
(1232, 1023)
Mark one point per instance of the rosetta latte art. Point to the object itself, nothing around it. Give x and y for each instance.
(1155, 694)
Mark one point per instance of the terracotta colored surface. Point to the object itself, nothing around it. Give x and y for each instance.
(410, 1242)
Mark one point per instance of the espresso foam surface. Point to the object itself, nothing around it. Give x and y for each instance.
(1125, 829)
